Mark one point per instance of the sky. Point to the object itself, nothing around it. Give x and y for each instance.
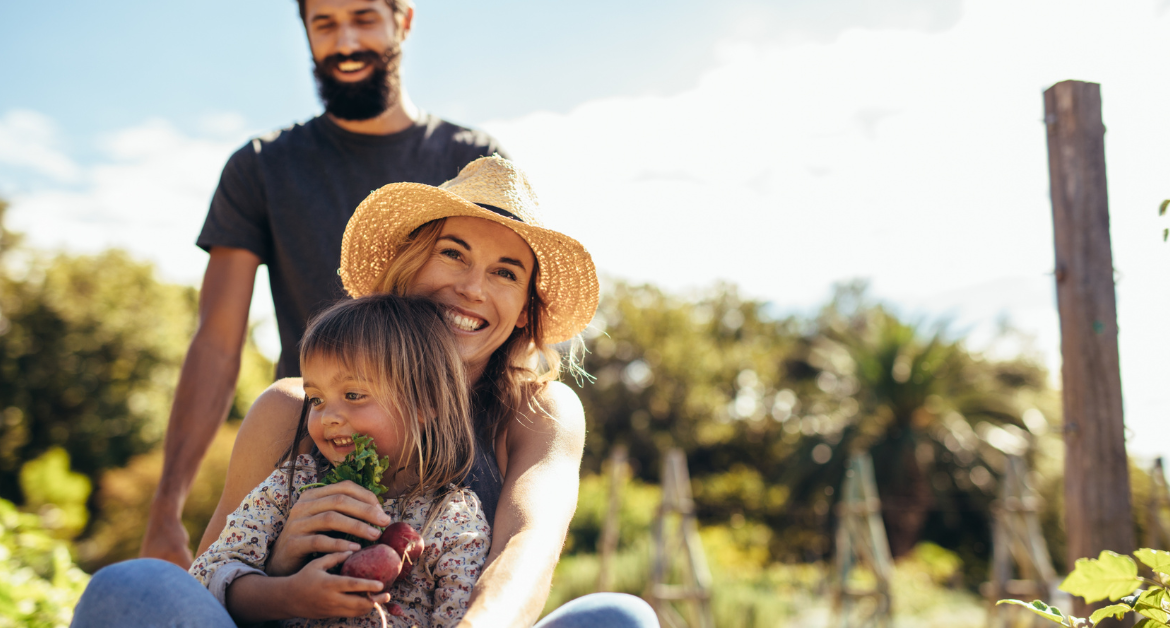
(781, 146)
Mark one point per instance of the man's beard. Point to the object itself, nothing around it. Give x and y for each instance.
(364, 99)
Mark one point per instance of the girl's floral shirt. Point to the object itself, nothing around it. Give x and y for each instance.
(436, 593)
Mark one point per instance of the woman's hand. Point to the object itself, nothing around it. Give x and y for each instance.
(343, 507)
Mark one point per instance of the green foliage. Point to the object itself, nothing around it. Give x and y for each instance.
(1110, 575)
(768, 409)
(56, 492)
(1115, 577)
(1162, 212)
(39, 584)
(124, 496)
(90, 349)
(639, 502)
(361, 466)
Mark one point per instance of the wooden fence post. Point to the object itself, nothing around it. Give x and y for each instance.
(610, 532)
(861, 542)
(679, 552)
(1157, 534)
(1098, 512)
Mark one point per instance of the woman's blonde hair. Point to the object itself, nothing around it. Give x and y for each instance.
(519, 369)
(403, 348)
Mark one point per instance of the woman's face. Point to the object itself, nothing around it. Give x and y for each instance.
(480, 272)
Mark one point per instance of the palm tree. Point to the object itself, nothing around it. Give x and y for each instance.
(937, 419)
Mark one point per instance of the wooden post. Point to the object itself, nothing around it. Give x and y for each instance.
(609, 534)
(1157, 534)
(861, 541)
(1017, 540)
(1098, 512)
(679, 551)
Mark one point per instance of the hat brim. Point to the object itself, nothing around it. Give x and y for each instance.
(385, 219)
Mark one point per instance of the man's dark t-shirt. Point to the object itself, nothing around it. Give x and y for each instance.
(287, 197)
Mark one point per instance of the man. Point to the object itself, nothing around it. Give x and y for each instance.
(284, 200)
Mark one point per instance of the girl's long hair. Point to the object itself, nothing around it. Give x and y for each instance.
(403, 348)
(519, 369)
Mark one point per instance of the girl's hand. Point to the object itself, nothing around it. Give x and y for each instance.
(314, 593)
(343, 507)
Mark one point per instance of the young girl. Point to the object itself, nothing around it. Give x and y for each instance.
(386, 367)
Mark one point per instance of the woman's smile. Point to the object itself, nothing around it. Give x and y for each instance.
(480, 271)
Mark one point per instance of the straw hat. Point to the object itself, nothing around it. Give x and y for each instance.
(491, 188)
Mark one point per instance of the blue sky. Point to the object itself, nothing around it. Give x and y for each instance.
(783, 146)
(95, 67)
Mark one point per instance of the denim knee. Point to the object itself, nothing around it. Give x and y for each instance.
(618, 610)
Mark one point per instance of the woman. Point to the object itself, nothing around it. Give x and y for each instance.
(510, 288)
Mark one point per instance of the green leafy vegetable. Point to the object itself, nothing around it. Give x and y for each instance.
(361, 466)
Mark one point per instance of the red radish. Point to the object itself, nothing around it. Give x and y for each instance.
(376, 562)
(406, 541)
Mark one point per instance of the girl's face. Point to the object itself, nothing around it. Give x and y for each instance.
(480, 272)
(342, 406)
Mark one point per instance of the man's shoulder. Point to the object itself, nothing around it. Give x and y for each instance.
(448, 133)
(282, 139)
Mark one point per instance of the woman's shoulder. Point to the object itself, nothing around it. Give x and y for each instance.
(282, 394)
(557, 401)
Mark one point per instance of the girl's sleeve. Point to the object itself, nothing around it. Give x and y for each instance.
(466, 537)
(242, 548)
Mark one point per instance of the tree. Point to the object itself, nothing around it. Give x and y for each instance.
(769, 408)
(90, 349)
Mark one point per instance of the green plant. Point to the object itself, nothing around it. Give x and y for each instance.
(361, 466)
(1162, 212)
(1114, 577)
(39, 584)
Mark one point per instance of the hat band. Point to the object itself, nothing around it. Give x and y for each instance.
(503, 212)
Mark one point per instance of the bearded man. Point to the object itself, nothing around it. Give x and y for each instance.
(284, 200)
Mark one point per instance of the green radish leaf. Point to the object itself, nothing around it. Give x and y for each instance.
(1110, 575)
(1154, 559)
(1146, 622)
(1051, 613)
(1116, 611)
(1154, 604)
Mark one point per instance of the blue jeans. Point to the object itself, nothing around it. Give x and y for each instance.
(148, 592)
(156, 594)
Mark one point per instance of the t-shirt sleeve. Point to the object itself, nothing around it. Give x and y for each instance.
(238, 217)
(466, 540)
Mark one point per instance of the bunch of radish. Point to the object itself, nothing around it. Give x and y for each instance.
(389, 560)
(392, 557)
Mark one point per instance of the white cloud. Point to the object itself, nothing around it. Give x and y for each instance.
(31, 140)
(916, 159)
(148, 192)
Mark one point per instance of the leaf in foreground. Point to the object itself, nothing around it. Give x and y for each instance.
(1110, 575)
(1116, 611)
(1051, 613)
(1154, 559)
(1154, 604)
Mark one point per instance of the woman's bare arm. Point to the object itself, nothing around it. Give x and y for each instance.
(267, 430)
(538, 500)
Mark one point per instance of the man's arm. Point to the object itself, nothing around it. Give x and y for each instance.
(202, 397)
(532, 518)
